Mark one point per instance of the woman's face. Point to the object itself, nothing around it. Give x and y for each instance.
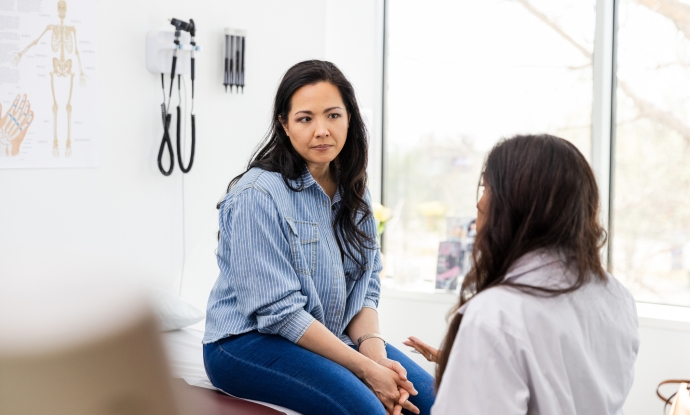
(317, 123)
(482, 206)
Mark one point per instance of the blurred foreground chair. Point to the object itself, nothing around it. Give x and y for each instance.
(90, 348)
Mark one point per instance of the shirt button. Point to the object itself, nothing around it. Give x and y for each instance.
(325, 204)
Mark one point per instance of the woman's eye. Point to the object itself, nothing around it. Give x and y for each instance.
(334, 115)
(304, 119)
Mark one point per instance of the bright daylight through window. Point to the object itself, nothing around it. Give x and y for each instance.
(651, 208)
(462, 75)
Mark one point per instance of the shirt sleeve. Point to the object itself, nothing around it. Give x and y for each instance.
(255, 255)
(373, 293)
(483, 375)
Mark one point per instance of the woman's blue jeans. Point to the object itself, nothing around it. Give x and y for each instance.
(271, 369)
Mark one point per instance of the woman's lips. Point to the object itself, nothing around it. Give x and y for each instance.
(322, 147)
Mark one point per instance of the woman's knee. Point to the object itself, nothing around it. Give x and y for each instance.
(325, 388)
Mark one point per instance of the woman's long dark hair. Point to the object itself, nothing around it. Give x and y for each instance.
(276, 154)
(542, 194)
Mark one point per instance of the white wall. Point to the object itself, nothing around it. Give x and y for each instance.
(663, 355)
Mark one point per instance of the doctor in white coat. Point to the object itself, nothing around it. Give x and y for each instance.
(540, 327)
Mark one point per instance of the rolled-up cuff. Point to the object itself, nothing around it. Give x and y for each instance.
(297, 324)
(370, 303)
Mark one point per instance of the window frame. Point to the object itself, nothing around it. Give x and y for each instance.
(602, 155)
(603, 110)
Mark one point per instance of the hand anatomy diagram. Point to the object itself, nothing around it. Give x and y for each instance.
(63, 41)
(14, 125)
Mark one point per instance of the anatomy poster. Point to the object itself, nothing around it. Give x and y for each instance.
(48, 83)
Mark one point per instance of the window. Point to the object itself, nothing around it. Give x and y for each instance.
(650, 244)
(460, 76)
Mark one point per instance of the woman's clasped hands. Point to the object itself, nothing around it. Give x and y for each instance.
(388, 380)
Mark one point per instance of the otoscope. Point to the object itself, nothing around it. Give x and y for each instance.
(179, 25)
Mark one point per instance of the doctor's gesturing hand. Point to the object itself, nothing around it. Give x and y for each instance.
(429, 353)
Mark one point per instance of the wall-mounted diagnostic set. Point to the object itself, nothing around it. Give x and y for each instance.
(173, 52)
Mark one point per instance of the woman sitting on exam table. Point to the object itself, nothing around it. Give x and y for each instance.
(292, 317)
(540, 328)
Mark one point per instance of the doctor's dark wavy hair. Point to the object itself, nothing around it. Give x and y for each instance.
(542, 194)
(276, 154)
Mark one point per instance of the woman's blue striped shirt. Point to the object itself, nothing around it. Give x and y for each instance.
(280, 264)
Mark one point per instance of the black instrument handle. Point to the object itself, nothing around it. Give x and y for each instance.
(172, 72)
(244, 55)
(193, 69)
(192, 78)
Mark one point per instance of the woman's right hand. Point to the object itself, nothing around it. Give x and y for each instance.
(429, 353)
(387, 386)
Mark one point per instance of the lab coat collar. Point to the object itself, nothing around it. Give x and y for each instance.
(532, 261)
(527, 263)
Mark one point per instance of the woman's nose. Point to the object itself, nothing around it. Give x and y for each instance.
(321, 128)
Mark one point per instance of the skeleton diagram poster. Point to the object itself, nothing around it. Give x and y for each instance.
(48, 83)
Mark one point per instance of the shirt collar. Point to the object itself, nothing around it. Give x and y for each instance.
(304, 181)
(337, 196)
(527, 263)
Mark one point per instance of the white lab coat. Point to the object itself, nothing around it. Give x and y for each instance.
(517, 353)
